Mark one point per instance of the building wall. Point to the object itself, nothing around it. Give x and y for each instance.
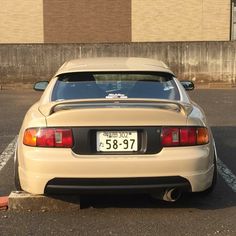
(180, 20)
(21, 21)
(89, 21)
(216, 22)
(99, 21)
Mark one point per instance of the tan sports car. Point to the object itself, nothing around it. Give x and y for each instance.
(115, 125)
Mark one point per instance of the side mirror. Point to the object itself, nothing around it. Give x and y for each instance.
(187, 84)
(41, 85)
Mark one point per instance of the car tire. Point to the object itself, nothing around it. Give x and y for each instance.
(214, 181)
(16, 174)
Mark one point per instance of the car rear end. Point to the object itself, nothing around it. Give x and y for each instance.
(123, 141)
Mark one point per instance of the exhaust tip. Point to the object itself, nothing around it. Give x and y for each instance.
(172, 195)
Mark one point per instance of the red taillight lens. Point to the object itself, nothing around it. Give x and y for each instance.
(184, 136)
(45, 138)
(63, 138)
(48, 137)
(188, 136)
(170, 137)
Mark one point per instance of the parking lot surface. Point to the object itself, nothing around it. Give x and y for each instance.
(130, 214)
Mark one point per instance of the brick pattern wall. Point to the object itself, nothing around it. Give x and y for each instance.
(216, 19)
(109, 21)
(180, 20)
(21, 21)
(87, 21)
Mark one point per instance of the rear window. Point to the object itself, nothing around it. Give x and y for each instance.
(86, 85)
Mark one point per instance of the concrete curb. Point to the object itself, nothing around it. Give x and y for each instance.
(22, 201)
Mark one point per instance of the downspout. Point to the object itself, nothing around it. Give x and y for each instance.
(231, 31)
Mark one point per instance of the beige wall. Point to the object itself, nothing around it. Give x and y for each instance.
(216, 19)
(37, 21)
(21, 21)
(180, 20)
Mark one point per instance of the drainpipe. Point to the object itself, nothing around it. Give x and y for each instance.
(231, 32)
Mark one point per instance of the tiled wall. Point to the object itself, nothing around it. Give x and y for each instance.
(87, 21)
(180, 20)
(101, 21)
(21, 21)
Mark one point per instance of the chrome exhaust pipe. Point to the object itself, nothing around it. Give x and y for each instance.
(172, 195)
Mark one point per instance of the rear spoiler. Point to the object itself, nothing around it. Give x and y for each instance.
(52, 107)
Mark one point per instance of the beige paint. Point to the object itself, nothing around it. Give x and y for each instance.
(37, 170)
(113, 64)
(116, 117)
(180, 20)
(37, 166)
(21, 21)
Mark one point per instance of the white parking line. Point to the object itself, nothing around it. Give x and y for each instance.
(8, 153)
(227, 175)
(223, 170)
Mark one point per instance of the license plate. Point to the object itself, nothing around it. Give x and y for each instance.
(117, 141)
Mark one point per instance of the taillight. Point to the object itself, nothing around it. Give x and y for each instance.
(202, 136)
(48, 137)
(184, 136)
(188, 136)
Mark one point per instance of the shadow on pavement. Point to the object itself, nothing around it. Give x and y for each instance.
(222, 197)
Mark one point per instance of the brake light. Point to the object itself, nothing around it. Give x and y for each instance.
(48, 137)
(188, 136)
(184, 136)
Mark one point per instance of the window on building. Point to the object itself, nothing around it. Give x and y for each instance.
(234, 20)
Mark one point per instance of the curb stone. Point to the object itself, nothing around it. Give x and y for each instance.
(22, 201)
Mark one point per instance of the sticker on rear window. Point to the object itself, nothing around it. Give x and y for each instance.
(116, 95)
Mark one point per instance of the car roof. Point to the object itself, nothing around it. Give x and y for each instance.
(109, 64)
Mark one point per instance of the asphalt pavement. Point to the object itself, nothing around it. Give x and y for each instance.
(194, 214)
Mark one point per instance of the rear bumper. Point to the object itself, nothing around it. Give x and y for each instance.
(41, 171)
(115, 185)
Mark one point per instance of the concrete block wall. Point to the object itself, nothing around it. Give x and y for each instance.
(199, 61)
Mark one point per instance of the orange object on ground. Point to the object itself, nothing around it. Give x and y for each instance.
(3, 203)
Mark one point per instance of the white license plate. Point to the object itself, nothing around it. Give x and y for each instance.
(117, 141)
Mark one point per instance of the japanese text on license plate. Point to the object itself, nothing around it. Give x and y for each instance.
(117, 141)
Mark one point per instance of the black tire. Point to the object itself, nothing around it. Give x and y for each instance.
(16, 174)
(214, 181)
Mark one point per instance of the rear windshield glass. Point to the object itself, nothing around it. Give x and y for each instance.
(115, 85)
